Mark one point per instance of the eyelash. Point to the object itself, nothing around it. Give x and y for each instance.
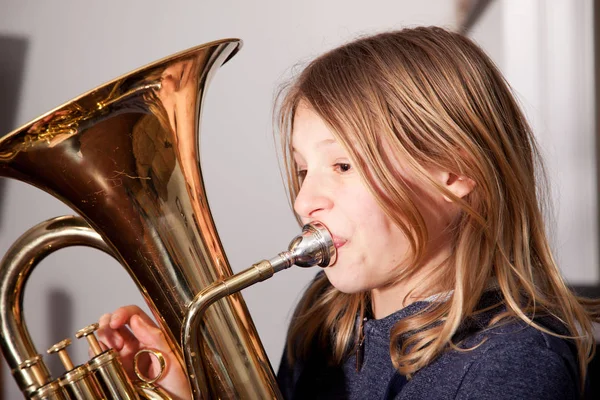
(343, 167)
(338, 167)
(301, 175)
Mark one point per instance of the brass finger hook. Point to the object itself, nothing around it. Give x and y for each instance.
(161, 359)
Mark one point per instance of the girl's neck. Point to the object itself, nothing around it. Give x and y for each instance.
(420, 286)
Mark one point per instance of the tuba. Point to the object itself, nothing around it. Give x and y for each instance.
(124, 156)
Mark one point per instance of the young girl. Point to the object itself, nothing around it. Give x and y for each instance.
(409, 146)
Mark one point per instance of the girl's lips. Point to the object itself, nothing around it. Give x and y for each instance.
(338, 242)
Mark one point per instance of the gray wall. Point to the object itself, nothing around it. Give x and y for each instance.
(74, 46)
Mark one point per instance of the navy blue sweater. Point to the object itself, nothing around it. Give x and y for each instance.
(514, 361)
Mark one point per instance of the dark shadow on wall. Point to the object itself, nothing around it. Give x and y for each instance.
(13, 51)
(60, 307)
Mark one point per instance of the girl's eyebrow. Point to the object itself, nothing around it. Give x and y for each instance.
(322, 143)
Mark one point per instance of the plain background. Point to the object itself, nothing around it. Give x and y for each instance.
(73, 46)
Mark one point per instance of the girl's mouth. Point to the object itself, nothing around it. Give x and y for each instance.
(338, 242)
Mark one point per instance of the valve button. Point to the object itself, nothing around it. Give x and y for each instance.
(63, 344)
(88, 330)
(60, 348)
(88, 333)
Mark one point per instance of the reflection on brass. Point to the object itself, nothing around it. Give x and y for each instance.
(80, 384)
(124, 156)
(60, 348)
(314, 246)
(35, 365)
(51, 391)
(110, 374)
(88, 333)
(161, 361)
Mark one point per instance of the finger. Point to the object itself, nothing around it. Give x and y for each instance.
(104, 320)
(126, 349)
(117, 321)
(125, 340)
(148, 334)
(105, 332)
(115, 338)
(123, 316)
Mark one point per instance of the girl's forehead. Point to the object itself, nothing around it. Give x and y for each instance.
(310, 129)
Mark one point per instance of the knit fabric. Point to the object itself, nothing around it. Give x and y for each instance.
(513, 361)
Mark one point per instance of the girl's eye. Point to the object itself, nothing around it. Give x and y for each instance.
(301, 174)
(343, 167)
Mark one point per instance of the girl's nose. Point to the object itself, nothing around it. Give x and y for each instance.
(312, 199)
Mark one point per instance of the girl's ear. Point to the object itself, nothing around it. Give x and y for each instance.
(458, 185)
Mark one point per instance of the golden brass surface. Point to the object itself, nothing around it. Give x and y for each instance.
(151, 392)
(161, 361)
(80, 384)
(37, 370)
(111, 377)
(51, 391)
(30, 362)
(314, 246)
(125, 157)
(60, 348)
(88, 333)
(28, 368)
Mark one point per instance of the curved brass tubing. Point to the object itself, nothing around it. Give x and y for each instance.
(125, 157)
(19, 262)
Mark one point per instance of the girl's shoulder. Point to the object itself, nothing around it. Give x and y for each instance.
(512, 360)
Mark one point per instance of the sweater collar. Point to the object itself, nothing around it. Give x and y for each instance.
(383, 326)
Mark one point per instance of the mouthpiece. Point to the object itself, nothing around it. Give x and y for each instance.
(314, 246)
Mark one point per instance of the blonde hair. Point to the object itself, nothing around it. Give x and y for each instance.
(431, 97)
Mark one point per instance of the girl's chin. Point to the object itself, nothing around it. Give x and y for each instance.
(345, 283)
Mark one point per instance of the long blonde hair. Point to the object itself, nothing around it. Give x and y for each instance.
(435, 99)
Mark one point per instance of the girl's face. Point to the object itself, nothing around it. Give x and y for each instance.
(370, 246)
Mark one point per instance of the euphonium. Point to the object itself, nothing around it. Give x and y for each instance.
(125, 157)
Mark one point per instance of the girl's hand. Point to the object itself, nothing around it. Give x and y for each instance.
(128, 330)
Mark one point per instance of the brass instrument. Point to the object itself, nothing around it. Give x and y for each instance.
(125, 157)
